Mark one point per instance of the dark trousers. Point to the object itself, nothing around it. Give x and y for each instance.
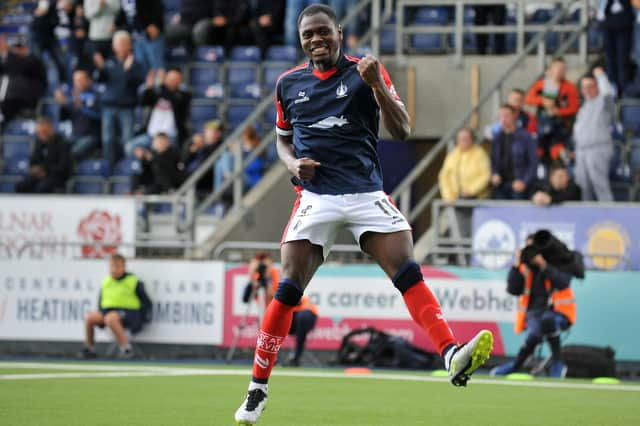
(505, 192)
(542, 324)
(38, 47)
(303, 322)
(34, 185)
(481, 17)
(617, 47)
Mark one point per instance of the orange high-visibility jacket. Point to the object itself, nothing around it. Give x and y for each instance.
(563, 301)
(305, 302)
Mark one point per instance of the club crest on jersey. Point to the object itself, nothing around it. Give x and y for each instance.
(302, 97)
(341, 91)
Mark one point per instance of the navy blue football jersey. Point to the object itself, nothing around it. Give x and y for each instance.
(334, 119)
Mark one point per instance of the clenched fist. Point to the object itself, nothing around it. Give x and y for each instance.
(369, 69)
(304, 168)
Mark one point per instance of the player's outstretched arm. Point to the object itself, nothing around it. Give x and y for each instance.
(302, 168)
(394, 115)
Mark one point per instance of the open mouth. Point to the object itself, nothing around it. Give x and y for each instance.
(319, 50)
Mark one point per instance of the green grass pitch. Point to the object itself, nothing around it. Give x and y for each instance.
(137, 394)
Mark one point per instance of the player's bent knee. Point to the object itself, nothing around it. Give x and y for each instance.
(407, 276)
(288, 292)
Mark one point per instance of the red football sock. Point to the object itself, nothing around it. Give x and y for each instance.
(425, 310)
(273, 330)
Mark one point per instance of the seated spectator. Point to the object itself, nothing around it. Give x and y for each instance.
(24, 77)
(122, 75)
(514, 161)
(557, 103)
(195, 152)
(161, 168)
(558, 189)
(169, 106)
(498, 15)
(123, 304)
(466, 170)
(254, 170)
(83, 109)
(268, 28)
(144, 19)
(524, 119)
(592, 137)
(43, 37)
(49, 164)
(190, 26)
(101, 15)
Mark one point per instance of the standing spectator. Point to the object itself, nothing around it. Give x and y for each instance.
(23, 78)
(557, 102)
(144, 19)
(122, 76)
(558, 189)
(498, 15)
(592, 136)
(524, 120)
(617, 24)
(294, 7)
(49, 164)
(268, 28)
(169, 106)
(466, 170)
(190, 25)
(196, 151)
(513, 159)
(161, 167)
(228, 26)
(83, 109)
(80, 45)
(101, 15)
(633, 89)
(43, 37)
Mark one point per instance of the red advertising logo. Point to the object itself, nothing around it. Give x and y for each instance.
(100, 227)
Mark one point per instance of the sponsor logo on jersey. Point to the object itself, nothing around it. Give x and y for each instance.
(341, 91)
(302, 97)
(329, 122)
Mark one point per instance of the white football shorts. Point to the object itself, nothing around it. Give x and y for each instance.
(319, 217)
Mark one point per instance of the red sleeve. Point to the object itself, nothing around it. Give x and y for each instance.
(533, 96)
(283, 126)
(573, 100)
(389, 83)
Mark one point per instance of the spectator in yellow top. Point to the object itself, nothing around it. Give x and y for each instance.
(466, 170)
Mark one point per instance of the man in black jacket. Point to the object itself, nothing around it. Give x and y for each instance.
(50, 162)
(558, 189)
(43, 38)
(23, 79)
(168, 110)
(144, 19)
(161, 167)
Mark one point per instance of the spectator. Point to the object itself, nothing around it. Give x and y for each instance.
(24, 77)
(617, 23)
(80, 45)
(198, 150)
(633, 89)
(541, 276)
(49, 164)
(268, 28)
(557, 103)
(513, 159)
(498, 15)
(190, 25)
(161, 167)
(123, 303)
(83, 109)
(144, 19)
(169, 106)
(524, 119)
(43, 37)
(122, 75)
(592, 136)
(466, 170)
(558, 189)
(101, 15)
(355, 29)
(254, 170)
(293, 9)
(228, 26)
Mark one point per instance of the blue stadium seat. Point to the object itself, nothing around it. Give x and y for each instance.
(388, 39)
(541, 16)
(211, 54)
(244, 91)
(176, 55)
(17, 148)
(242, 73)
(96, 168)
(120, 187)
(427, 43)
(281, 54)
(245, 54)
(270, 74)
(209, 91)
(432, 16)
(270, 115)
(203, 75)
(236, 114)
(634, 157)
(202, 112)
(630, 116)
(50, 109)
(7, 186)
(172, 5)
(20, 128)
(162, 208)
(87, 185)
(16, 166)
(127, 167)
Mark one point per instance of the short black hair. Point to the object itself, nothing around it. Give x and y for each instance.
(509, 107)
(316, 8)
(161, 135)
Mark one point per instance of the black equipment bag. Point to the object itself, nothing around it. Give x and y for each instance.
(589, 361)
(374, 348)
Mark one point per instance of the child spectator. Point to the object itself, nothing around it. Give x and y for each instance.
(558, 189)
(161, 167)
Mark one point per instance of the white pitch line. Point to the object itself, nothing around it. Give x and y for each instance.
(148, 371)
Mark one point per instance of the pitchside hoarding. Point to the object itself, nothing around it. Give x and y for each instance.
(43, 227)
(48, 300)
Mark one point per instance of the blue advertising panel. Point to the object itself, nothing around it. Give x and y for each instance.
(498, 231)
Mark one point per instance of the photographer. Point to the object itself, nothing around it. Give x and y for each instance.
(541, 276)
(264, 275)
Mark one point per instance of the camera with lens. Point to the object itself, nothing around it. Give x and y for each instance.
(554, 252)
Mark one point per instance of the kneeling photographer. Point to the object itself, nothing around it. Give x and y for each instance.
(541, 276)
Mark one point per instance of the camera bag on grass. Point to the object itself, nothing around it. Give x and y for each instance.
(589, 361)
